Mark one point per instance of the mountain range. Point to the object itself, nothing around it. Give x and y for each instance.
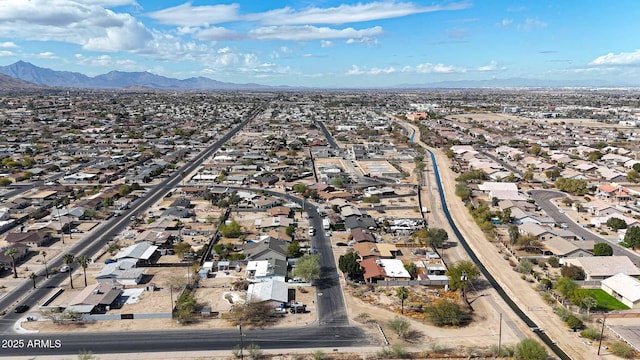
(116, 79)
(26, 75)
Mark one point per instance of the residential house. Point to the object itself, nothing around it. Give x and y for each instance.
(270, 290)
(263, 270)
(563, 248)
(143, 252)
(623, 287)
(95, 298)
(602, 267)
(269, 248)
(123, 272)
(29, 238)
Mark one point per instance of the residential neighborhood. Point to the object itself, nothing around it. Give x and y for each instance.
(207, 209)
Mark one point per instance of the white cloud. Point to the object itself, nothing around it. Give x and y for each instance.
(109, 3)
(326, 44)
(429, 68)
(6, 53)
(106, 61)
(308, 32)
(493, 66)
(47, 55)
(187, 15)
(132, 36)
(349, 13)
(88, 25)
(531, 24)
(217, 34)
(505, 22)
(8, 44)
(356, 70)
(363, 40)
(623, 58)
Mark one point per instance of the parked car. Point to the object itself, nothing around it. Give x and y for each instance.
(109, 261)
(21, 308)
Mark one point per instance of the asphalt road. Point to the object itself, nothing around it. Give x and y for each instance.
(543, 200)
(179, 340)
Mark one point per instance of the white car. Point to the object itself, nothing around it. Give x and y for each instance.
(64, 268)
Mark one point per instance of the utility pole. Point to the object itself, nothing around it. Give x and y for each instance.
(500, 335)
(604, 319)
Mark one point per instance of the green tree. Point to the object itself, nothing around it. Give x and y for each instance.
(231, 230)
(535, 150)
(84, 261)
(595, 156)
(463, 192)
(446, 313)
(574, 323)
(300, 188)
(412, 269)
(602, 249)
(182, 248)
(633, 176)
(293, 250)
(5, 182)
(588, 303)
(402, 294)
(68, 260)
(348, 264)
(185, 307)
(632, 237)
(572, 272)
(308, 268)
(566, 286)
(44, 259)
(461, 273)
(514, 232)
(554, 262)
(616, 224)
(290, 231)
(528, 175)
(11, 252)
(33, 278)
(529, 349)
(436, 237)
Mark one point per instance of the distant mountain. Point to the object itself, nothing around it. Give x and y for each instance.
(10, 83)
(117, 79)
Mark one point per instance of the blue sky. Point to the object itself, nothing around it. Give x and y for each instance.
(326, 43)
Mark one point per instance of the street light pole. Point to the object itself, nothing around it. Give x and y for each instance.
(241, 341)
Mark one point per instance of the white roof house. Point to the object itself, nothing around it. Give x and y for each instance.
(140, 251)
(624, 288)
(123, 272)
(394, 268)
(270, 290)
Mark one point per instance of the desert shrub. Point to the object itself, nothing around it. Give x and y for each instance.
(562, 312)
(590, 333)
(622, 350)
(574, 323)
(394, 352)
(554, 262)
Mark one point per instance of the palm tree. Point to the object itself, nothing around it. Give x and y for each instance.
(44, 257)
(68, 259)
(33, 278)
(12, 252)
(402, 294)
(84, 263)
